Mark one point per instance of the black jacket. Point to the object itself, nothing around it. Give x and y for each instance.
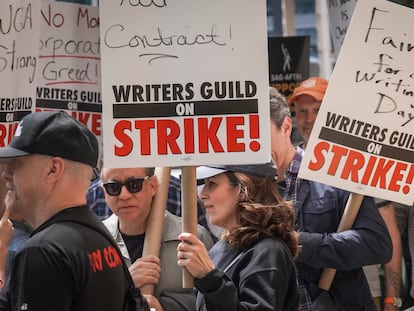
(67, 264)
(263, 278)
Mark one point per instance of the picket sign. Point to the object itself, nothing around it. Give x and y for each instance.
(343, 150)
(174, 93)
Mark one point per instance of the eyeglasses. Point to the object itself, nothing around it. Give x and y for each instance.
(133, 185)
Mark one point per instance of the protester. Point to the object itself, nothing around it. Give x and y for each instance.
(319, 209)
(404, 280)
(251, 267)
(307, 99)
(70, 261)
(391, 297)
(129, 193)
(21, 232)
(6, 233)
(96, 200)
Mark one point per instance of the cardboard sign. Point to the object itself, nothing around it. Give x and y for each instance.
(288, 62)
(69, 74)
(340, 13)
(19, 34)
(363, 138)
(184, 82)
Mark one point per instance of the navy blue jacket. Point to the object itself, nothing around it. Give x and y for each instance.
(319, 210)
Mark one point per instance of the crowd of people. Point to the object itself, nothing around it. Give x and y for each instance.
(67, 243)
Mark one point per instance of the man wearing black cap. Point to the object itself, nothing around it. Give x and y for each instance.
(70, 261)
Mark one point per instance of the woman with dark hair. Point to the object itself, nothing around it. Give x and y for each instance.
(251, 267)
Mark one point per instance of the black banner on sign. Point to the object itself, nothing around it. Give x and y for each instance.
(68, 105)
(362, 144)
(201, 108)
(14, 116)
(288, 62)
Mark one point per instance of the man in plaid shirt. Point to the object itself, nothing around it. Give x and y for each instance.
(318, 210)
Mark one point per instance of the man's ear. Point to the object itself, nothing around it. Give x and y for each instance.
(287, 126)
(56, 168)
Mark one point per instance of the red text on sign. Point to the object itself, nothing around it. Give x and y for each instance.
(353, 165)
(7, 132)
(91, 120)
(192, 135)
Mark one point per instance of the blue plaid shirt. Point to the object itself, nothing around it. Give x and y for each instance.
(291, 183)
(289, 189)
(96, 200)
(174, 201)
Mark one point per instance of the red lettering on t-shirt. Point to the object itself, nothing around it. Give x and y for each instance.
(95, 259)
(112, 257)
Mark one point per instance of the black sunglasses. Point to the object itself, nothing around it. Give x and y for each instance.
(133, 185)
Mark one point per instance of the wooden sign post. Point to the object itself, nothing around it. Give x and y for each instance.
(153, 232)
(189, 210)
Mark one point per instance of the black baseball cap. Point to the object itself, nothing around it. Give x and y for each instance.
(266, 170)
(53, 133)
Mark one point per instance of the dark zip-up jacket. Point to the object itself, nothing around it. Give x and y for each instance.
(319, 210)
(263, 278)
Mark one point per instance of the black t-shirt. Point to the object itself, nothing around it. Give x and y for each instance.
(66, 266)
(134, 244)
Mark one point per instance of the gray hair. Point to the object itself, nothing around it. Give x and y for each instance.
(279, 108)
(150, 171)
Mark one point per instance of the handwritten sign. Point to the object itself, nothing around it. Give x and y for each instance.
(363, 139)
(340, 13)
(184, 82)
(69, 75)
(19, 31)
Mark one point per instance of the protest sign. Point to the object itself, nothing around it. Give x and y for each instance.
(288, 62)
(19, 31)
(69, 71)
(363, 137)
(184, 82)
(340, 13)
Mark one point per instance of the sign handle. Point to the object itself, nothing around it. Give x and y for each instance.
(153, 232)
(189, 211)
(347, 221)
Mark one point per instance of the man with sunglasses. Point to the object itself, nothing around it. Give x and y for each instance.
(129, 193)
